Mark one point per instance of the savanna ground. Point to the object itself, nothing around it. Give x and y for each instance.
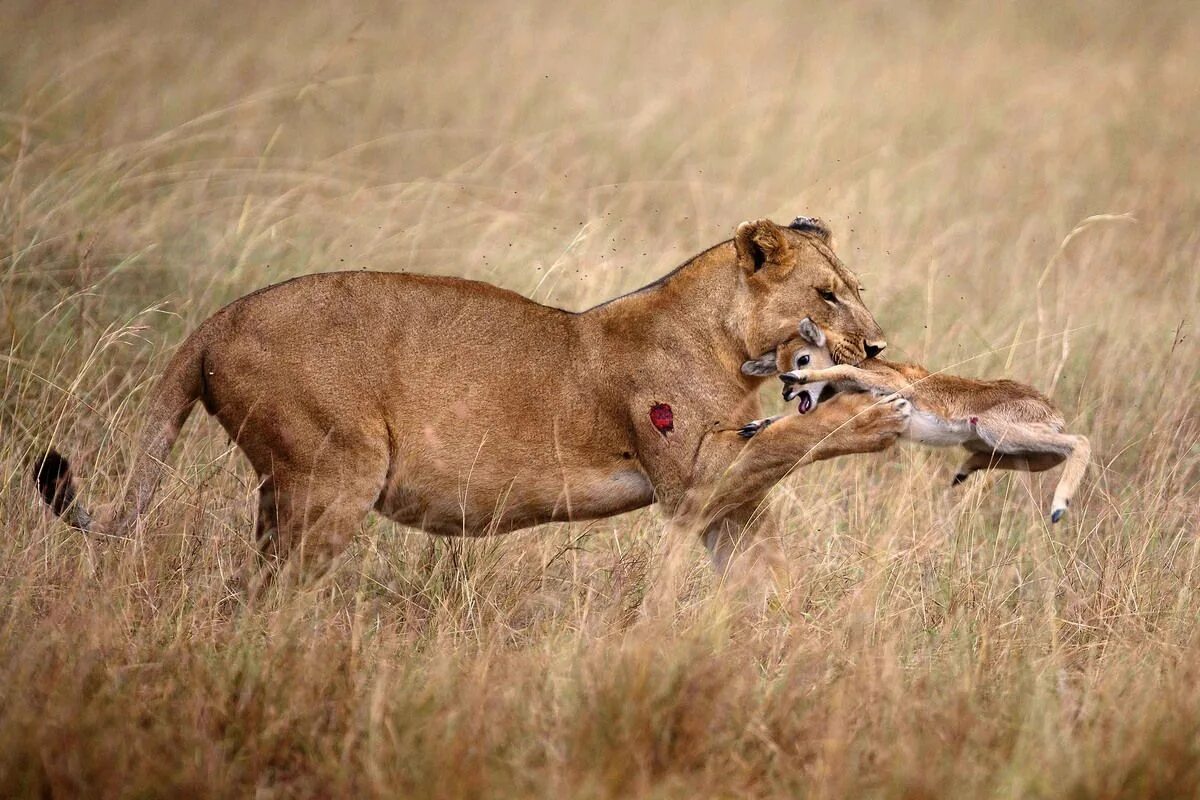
(160, 159)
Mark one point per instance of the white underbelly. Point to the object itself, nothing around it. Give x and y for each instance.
(934, 431)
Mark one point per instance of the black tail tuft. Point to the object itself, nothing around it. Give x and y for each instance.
(52, 472)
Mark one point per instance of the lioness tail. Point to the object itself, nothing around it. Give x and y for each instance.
(181, 384)
(56, 484)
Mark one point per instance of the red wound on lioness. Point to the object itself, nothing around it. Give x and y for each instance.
(662, 418)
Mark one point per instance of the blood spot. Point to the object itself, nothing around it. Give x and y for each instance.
(662, 418)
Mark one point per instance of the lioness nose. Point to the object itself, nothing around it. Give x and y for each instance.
(874, 348)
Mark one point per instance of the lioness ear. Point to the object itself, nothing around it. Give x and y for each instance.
(816, 227)
(811, 333)
(760, 243)
(761, 367)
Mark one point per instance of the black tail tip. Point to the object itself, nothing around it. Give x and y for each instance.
(52, 473)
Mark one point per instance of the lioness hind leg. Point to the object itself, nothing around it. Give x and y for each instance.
(306, 527)
(268, 520)
(250, 581)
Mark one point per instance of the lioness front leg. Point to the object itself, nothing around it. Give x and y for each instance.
(729, 475)
(732, 477)
(742, 545)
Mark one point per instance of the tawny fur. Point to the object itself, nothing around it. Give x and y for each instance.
(1004, 424)
(461, 408)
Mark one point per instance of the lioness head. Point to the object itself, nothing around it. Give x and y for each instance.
(808, 351)
(791, 273)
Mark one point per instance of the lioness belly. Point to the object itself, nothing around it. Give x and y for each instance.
(486, 507)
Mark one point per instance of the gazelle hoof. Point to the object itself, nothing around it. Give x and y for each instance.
(1057, 514)
(752, 427)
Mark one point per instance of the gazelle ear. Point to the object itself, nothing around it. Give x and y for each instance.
(811, 333)
(762, 367)
(762, 245)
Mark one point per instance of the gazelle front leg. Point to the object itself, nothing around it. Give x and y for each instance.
(754, 426)
(846, 374)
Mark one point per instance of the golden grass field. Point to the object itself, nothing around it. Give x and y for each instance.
(1018, 186)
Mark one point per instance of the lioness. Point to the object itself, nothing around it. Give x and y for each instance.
(464, 409)
(1003, 424)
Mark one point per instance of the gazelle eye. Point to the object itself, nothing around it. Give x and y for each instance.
(827, 296)
(802, 361)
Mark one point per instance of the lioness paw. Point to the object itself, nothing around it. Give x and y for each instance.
(896, 412)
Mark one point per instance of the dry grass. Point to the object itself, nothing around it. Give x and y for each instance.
(158, 160)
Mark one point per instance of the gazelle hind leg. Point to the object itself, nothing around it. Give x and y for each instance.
(1072, 474)
(1025, 440)
(1029, 462)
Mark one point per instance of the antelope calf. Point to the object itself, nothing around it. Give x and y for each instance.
(1002, 424)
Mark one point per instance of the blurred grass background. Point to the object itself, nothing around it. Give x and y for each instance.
(158, 160)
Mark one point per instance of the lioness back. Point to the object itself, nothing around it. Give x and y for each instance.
(338, 339)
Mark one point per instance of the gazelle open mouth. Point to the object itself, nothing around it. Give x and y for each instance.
(806, 403)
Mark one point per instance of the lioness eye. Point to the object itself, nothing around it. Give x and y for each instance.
(802, 361)
(827, 295)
